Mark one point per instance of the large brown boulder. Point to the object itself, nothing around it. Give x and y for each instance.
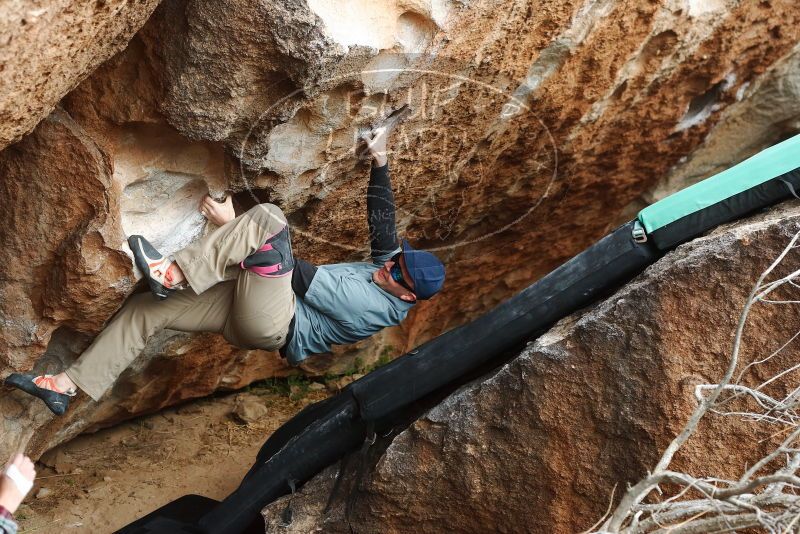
(47, 48)
(533, 126)
(541, 444)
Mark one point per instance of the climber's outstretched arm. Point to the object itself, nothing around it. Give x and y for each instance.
(380, 199)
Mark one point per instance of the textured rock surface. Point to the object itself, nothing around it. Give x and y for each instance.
(533, 125)
(47, 48)
(59, 236)
(539, 445)
(769, 112)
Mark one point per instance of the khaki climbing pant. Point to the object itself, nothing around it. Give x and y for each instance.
(249, 310)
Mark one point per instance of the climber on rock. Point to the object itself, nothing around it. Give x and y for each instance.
(242, 281)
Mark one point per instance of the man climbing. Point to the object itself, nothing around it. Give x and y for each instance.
(242, 281)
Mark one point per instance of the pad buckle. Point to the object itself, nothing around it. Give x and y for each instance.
(638, 233)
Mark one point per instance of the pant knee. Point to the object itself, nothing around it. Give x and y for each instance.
(270, 213)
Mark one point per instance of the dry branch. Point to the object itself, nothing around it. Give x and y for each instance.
(766, 496)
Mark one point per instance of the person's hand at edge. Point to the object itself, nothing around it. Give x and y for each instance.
(16, 482)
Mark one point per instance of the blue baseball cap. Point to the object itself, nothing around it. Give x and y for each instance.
(425, 269)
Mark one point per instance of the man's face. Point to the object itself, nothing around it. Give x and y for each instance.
(383, 279)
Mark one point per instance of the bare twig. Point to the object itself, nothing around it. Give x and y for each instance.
(765, 496)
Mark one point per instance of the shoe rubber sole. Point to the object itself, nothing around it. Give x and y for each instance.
(142, 251)
(57, 402)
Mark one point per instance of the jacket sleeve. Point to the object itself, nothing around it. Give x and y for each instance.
(7, 526)
(381, 215)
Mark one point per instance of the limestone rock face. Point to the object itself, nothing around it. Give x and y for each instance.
(61, 238)
(533, 126)
(539, 445)
(768, 113)
(47, 48)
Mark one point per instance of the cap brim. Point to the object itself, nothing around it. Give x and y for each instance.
(411, 261)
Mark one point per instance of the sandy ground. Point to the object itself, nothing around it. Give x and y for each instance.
(100, 482)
